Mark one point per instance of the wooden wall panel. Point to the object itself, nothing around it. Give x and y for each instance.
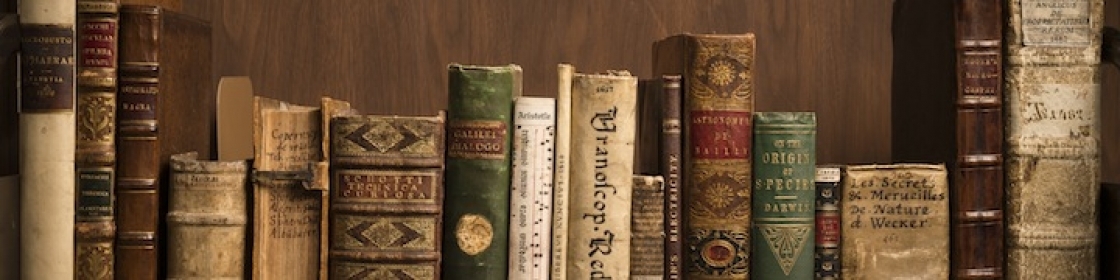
(390, 56)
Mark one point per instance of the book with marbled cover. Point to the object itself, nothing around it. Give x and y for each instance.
(718, 95)
(386, 196)
(1052, 133)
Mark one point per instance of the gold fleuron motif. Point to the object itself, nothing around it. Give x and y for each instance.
(95, 261)
(95, 118)
(474, 234)
(722, 70)
(786, 241)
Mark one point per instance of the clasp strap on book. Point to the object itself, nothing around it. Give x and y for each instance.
(313, 178)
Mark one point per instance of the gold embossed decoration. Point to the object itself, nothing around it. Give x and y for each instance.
(95, 123)
(381, 136)
(386, 233)
(722, 71)
(786, 241)
(95, 262)
(474, 234)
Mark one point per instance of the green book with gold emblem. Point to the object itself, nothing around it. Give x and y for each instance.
(477, 189)
(784, 195)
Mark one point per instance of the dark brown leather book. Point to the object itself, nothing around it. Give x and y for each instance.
(9, 145)
(95, 152)
(386, 197)
(165, 106)
(671, 172)
(718, 99)
(977, 170)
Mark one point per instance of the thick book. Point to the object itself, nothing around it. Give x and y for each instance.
(207, 217)
(671, 172)
(47, 136)
(386, 196)
(95, 158)
(165, 106)
(561, 183)
(476, 208)
(896, 222)
(290, 204)
(647, 226)
(718, 95)
(530, 202)
(826, 257)
(783, 205)
(977, 166)
(604, 123)
(1052, 131)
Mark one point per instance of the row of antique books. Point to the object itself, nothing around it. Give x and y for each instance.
(509, 186)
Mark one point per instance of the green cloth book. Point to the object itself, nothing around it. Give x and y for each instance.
(784, 195)
(477, 188)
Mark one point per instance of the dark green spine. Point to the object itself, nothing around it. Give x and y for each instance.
(476, 207)
(782, 233)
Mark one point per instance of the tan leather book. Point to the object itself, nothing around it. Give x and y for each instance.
(95, 161)
(561, 175)
(289, 199)
(165, 106)
(1053, 137)
(604, 123)
(386, 196)
(47, 138)
(895, 222)
(206, 218)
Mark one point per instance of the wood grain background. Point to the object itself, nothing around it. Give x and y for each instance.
(839, 58)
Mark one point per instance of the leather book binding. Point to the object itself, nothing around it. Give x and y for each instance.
(95, 161)
(671, 172)
(207, 216)
(977, 169)
(476, 208)
(386, 196)
(164, 106)
(718, 95)
(826, 259)
(783, 205)
(47, 133)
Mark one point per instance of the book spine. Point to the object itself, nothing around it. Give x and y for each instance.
(476, 212)
(647, 250)
(95, 161)
(288, 206)
(827, 258)
(671, 170)
(896, 222)
(47, 137)
(561, 176)
(1053, 136)
(206, 218)
(530, 229)
(9, 218)
(138, 145)
(719, 96)
(386, 196)
(977, 173)
(783, 204)
(603, 128)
